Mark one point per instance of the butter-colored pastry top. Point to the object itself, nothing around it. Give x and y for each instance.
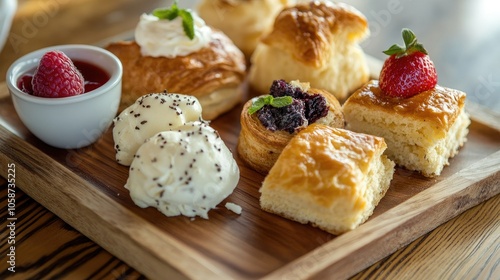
(219, 65)
(329, 163)
(438, 107)
(319, 22)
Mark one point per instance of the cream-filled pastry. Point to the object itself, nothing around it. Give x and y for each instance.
(187, 171)
(150, 114)
(244, 21)
(318, 42)
(202, 62)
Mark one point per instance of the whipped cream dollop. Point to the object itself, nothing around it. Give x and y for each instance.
(149, 115)
(166, 38)
(187, 171)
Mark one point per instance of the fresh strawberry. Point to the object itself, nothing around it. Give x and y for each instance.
(57, 76)
(408, 70)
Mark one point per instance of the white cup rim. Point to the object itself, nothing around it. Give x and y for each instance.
(20, 66)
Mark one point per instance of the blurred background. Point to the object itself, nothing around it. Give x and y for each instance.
(462, 36)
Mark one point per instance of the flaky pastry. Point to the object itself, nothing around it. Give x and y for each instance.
(260, 147)
(244, 21)
(332, 178)
(422, 132)
(315, 42)
(213, 74)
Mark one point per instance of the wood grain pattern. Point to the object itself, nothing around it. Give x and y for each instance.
(464, 247)
(66, 253)
(430, 254)
(401, 224)
(85, 188)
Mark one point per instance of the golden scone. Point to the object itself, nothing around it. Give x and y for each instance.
(332, 178)
(244, 21)
(422, 132)
(315, 42)
(213, 74)
(260, 147)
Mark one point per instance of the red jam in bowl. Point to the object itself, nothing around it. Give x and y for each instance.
(93, 77)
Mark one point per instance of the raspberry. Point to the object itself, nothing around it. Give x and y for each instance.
(57, 76)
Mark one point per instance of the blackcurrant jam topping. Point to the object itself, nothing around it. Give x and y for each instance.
(286, 118)
(304, 110)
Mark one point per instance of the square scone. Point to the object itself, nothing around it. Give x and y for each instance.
(422, 132)
(329, 177)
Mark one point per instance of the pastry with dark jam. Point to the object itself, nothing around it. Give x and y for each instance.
(303, 109)
(268, 122)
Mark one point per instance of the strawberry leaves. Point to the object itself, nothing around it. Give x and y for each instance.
(411, 45)
(173, 12)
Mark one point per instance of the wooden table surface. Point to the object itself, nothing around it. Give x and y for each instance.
(466, 247)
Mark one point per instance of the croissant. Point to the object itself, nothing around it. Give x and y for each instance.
(214, 74)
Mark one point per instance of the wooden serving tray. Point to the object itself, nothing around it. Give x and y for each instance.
(85, 188)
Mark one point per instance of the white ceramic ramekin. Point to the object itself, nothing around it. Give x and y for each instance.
(68, 122)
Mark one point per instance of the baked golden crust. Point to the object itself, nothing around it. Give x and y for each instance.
(219, 66)
(438, 107)
(248, 19)
(325, 158)
(320, 24)
(260, 147)
(422, 132)
(329, 177)
(316, 42)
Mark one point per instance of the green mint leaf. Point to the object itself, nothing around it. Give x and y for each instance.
(187, 23)
(169, 14)
(281, 101)
(173, 12)
(264, 100)
(254, 108)
(257, 104)
(267, 99)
